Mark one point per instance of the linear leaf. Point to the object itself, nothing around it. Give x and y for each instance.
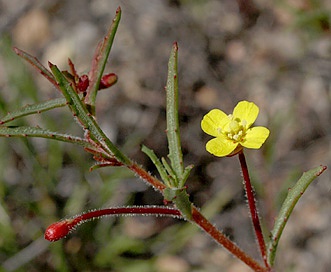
(33, 109)
(175, 152)
(292, 198)
(24, 131)
(79, 110)
(160, 168)
(172, 175)
(100, 60)
(36, 63)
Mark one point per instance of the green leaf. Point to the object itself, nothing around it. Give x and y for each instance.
(292, 198)
(33, 109)
(24, 131)
(169, 194)
(175, 151)
(186, 173)
(183, 203)
(99, 62)
(160, 168)
(172, 175)
(79, 110)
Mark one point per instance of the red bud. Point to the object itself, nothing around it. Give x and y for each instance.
(108, 81)
(60, 229)
(83, 83)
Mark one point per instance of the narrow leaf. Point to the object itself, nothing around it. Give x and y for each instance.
(292, 198)
(186, 173)
(36, 63)
(175, 152)
(24, 131)
(100, 60)
(160, 168)
(171, 173)
(79, 110)
(33, 109)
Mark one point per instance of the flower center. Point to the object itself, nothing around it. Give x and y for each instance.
(237, 129)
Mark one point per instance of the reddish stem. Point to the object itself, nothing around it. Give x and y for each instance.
(202, 222)
(218, 236)
(143, 174)
(62, 228)
(252, 207)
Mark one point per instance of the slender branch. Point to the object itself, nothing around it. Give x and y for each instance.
(143, 174)
(218, 236)
(202, 222)
(62, 228)
(252, 207)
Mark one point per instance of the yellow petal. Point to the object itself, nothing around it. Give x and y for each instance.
(246, 111)
(255, 137)
(213, 121)
(220, 147)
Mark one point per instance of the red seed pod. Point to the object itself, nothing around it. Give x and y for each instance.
(108, 81)
(60, 229)
(83, 83)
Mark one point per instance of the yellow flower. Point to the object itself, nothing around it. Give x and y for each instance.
(233, 131)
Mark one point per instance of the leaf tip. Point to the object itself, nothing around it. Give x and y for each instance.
(323, 168)
(175, 46)
(16, 50)
(51, 65)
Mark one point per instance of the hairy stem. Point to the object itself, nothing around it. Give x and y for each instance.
(62, 228)
(219, 237)
(143, 174)
(203, 223)
(252, 207)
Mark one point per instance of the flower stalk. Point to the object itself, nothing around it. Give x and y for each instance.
(252, 207)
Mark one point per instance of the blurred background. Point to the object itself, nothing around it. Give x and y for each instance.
(275, 53)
